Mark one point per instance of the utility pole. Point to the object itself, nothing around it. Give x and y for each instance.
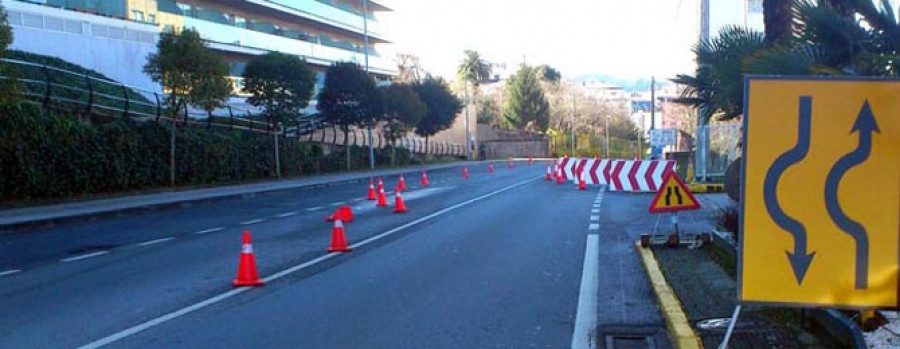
(366, 36)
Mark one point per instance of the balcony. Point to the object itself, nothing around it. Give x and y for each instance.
(314, 53)
(325, 13)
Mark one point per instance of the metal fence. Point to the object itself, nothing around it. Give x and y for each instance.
(82, 93)
(593, 145)
(723, 148)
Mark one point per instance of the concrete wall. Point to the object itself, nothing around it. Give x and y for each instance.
(503, 143)
(114, 47)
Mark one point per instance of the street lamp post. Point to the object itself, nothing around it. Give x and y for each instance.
(365, 16)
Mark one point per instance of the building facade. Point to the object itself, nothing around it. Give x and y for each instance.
(115, 36)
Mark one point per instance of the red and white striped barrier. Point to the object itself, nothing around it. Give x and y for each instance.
(619, 175)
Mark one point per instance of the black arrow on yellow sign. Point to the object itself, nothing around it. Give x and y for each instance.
(866, 125)
(799, 259)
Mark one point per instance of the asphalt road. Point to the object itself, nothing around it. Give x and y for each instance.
(492, 261)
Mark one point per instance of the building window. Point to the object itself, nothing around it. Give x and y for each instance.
(137, 15)
(240, 22)
(151, 18)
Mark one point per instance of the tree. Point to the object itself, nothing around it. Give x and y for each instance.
(778, 18)
(403, 110)
(441, 107)
(190, 73)
(526, 107)
(9, 86)
(718, 85)
(473, 69)
(349, 99)
(548, 74)
(281, 84)
(409, 67)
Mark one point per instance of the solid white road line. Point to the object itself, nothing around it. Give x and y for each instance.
(586, 316)
(153, 242)
(254, 221)
(313, 208)
(213, 230)
(203, 304)
(338, 203)
(286, 214)
(84, 256)
(9, 272)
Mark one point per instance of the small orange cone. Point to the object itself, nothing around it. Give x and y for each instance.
(246, 273)
(559, 176)
(582, 184)
(530, 160)
(380, 185)
(549, 175)
(382, 198)
(401, 185)
(465, 172)
(399, 206)
(491, 168)
(510, 165)
(424, 179)
(371, 195)
(338, 238)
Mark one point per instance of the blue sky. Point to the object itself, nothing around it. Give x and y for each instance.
(634, 38)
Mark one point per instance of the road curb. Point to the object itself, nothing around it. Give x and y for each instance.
(56, 214)
(680, 331)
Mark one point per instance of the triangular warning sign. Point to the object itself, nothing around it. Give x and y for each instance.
(673, 195)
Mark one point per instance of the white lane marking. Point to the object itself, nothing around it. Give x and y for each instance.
(254, 221)
(586, 314)
(595, 210)
(203, 304)
(286, 214)
(357, 199)
(153, 242)
(595, 218)
(338, 203)
(313, 208)
(594, 227)
(84, 256)
(9, 272)
(213, 230)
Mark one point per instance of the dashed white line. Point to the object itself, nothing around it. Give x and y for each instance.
(9, 272)
(154, 242)
(594, 227)
(213, 230)
(313, 208)
(358, 199)
(210, 301)
(338, 203)
(595, 218)
(286, 214)
(84, 256)
(595, 210)
(253, 221)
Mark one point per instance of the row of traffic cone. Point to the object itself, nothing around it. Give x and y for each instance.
(560, 176)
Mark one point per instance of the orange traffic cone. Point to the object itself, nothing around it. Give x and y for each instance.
(338, 238)
(549, 175)
(491, 168)
(399, 206)
(246, 273)
(424, 179)
(380, 185)
(382, 198)
(510, 165)
(582, 184)
(401, 185)
(465, 172)
(371, 195)
(530, 160)
(559, 176)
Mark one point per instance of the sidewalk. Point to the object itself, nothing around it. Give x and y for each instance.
(52, 214)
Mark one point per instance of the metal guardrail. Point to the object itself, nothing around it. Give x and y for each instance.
(81, 93)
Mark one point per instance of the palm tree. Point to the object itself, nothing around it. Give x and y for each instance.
(778, 17)
(472, 69)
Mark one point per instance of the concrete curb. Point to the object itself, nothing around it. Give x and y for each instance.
(41, 216)
(680, 331)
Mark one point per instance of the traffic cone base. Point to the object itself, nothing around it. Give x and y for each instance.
(338, 238)
(247, 274)
(399, 206)
(371, 195)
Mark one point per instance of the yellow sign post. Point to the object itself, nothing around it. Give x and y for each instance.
(820, 220)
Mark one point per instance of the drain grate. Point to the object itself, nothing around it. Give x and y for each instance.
(629, 341)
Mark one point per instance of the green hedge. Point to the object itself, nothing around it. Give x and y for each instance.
(52, 156)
